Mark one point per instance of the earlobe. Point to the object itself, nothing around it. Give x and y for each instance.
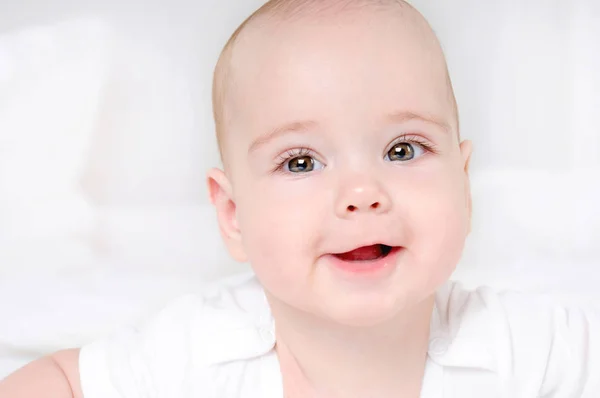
(221, 196)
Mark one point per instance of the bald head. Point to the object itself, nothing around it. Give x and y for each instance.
(276, 15)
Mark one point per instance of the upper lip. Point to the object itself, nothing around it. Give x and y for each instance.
(346, 249)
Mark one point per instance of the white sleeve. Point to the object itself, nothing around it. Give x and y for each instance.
(146, 362)
(555, 348)
(573, 368)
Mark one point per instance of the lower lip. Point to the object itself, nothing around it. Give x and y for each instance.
(366, 268)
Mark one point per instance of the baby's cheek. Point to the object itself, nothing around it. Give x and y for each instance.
(278, 248)
(275, 232)
(440, 228)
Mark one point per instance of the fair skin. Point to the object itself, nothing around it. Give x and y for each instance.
(55, 376)
(321, 117)
(337, 94)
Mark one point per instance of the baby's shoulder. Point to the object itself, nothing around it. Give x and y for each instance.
(241, 294)
(527, 339)
(227, 320)
(179, 348)
(484, 306)
(522, 315)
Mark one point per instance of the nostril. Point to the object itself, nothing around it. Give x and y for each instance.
(351, 208)
(375, 205)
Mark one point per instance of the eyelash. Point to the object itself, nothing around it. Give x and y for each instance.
(427, 145)
(303, 151)
(291, 154)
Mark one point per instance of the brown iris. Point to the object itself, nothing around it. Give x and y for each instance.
(401, 152)
(301, 164)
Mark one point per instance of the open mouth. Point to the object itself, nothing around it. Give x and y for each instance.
(366, 253)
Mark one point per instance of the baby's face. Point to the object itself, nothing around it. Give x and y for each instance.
(349, 186)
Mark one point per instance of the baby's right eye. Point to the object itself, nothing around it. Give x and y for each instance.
(298, 161)
(303, 164)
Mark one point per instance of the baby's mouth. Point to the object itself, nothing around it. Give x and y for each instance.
(366, 253)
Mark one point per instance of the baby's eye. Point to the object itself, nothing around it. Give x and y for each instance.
(302, 164)
(404, 151)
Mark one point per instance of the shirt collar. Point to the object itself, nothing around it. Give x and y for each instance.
(461, 330)
(235, 322)
(240, 318)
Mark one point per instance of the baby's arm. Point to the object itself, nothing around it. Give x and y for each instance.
(55, 376)
(149, 360)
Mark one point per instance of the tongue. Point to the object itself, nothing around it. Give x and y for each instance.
(366, 253)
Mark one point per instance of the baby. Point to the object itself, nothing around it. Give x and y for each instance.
(346, 187)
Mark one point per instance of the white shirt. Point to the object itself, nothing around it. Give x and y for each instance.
(220, 344)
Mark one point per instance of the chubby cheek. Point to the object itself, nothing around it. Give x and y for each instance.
(280, 229)
(439, 222)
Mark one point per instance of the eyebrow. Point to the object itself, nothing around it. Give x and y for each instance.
(303, 126)
(404, 116)
(295, 127)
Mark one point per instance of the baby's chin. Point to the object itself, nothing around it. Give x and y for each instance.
(362, 311)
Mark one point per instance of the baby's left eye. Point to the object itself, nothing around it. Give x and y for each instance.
(404, 151)
(301, 164)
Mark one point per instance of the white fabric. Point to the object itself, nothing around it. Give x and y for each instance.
(149, 256)
(51, 82)
(221, 344)
(535, 231)
(175, 240)
(51, 78)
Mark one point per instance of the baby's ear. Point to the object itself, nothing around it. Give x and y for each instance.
(221, 196)
(466, 149)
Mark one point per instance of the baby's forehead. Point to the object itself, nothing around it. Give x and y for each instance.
(274, 25)
(272, 55)
(310, 61)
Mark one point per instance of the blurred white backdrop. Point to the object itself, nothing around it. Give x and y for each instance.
(106, 132)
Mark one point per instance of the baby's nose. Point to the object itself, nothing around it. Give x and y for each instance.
(362, 197)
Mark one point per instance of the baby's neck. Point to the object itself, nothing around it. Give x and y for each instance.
(324, 360)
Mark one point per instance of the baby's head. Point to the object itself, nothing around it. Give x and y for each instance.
(345, 183)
